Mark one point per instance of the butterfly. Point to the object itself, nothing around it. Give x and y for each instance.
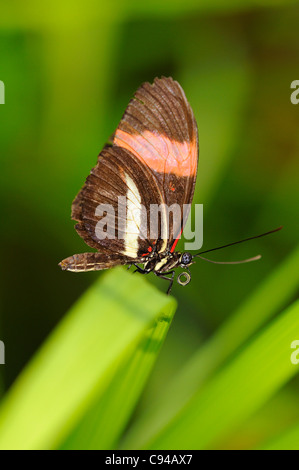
(152, 162)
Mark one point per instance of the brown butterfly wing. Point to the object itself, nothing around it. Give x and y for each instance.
(159, 128)
(154, 158)
(121, 184)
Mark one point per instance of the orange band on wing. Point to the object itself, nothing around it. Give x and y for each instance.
(159, 152)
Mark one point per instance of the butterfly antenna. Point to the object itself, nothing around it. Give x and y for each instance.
(255, 258)
(235, 243)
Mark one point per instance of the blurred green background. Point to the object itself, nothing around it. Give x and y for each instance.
(69, 70)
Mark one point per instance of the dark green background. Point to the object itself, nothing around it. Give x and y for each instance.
(69, 70)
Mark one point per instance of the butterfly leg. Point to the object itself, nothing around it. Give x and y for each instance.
(170, 279)
(140, 270)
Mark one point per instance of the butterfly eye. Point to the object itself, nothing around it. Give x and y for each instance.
(186, 258)
(183, 279)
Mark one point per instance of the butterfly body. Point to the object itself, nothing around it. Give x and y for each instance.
(161, 264)
(164, 262)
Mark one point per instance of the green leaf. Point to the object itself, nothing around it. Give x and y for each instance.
(112, 409)
(77, 361)
(270, 296)
(237, 391)
(288, 440)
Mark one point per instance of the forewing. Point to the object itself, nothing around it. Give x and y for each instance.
(112, 207)
(159, 128)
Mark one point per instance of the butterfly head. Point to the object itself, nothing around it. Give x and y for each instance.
(185, 259)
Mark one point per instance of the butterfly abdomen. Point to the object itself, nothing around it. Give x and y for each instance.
(92, 262)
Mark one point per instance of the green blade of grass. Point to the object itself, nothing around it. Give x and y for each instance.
(235, 392)
(104, 422)
(270, 296)
(2, 353)
(76, 362)
(289, 440)
(278, 415)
